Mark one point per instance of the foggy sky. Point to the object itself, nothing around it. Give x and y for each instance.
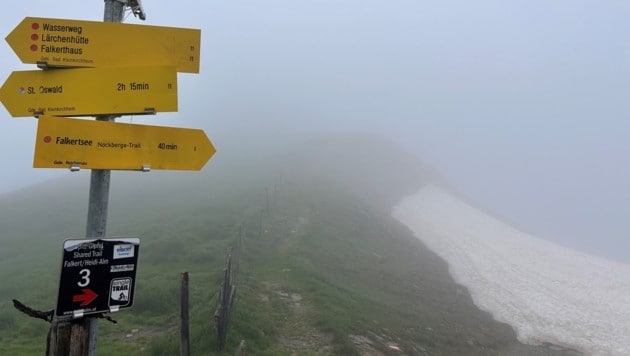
(522, 105)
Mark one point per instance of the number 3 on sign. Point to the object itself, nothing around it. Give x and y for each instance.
(85, 278)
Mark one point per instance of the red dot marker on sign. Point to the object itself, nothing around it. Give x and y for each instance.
(35, 26)
(34, 37)
(33, 48)
(47, 139)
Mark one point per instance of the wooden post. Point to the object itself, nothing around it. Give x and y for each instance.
(240, 350)
(226, 297)
(184, 345)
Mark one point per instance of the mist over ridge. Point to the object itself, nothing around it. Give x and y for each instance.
(373, 166)
(360, 163)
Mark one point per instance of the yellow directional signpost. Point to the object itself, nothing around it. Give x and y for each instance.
(64, 142)
(73, 43)
(90, 91)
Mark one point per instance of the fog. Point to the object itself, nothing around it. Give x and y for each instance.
(519, 104)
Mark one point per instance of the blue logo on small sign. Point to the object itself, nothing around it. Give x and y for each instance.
(123, 251)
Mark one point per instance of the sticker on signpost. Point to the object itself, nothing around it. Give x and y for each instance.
(123, 251)
(122, 268)
(119, 292)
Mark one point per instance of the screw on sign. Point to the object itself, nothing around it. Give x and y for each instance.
(97, 275)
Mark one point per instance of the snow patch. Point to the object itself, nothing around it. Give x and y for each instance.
(548, 293)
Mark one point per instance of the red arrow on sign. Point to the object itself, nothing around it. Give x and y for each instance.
(86, 298)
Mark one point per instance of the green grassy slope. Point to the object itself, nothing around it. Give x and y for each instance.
(323, 268)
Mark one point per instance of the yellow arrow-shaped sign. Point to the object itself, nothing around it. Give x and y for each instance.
(73, 43)
(91, 144)
(90, 91)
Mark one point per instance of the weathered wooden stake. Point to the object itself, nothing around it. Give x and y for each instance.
(184, 345)
(240, 350)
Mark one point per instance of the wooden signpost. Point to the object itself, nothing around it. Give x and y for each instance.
(102, 69)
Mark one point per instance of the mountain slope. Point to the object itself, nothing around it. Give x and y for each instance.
(323, 269)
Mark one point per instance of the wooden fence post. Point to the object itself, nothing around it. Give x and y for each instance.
(184, 344)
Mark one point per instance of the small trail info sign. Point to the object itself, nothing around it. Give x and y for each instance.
(97, 275)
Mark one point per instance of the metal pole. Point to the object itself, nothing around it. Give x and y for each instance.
(78, 337)
(99, 182)
(114, 11)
